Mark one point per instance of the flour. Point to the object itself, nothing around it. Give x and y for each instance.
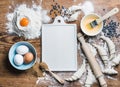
(36, 17)
(87, 7)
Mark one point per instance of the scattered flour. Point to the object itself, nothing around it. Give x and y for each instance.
(36, 17)
(87, 7)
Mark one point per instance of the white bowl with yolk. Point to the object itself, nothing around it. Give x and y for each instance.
(85, 25)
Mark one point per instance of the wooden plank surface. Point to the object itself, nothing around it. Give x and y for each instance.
(9, 77)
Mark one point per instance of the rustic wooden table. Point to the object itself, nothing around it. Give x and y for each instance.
(9, 77)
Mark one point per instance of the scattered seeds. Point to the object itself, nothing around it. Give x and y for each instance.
(59, 10)
(110, 28)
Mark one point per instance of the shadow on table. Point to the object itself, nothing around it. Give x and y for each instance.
(10, 68)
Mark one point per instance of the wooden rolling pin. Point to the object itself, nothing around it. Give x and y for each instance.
(92, 61)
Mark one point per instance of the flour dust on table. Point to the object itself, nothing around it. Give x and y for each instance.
(26, 21)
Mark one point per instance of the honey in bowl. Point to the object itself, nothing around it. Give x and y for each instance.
(86, 27)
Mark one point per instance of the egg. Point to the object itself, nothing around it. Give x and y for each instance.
(24, 21)
(22, 49)
(28, 57)
(18, 59)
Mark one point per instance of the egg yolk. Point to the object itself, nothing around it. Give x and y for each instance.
(24, 22)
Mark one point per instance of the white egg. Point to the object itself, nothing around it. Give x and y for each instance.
(22, 49)
(18, 59)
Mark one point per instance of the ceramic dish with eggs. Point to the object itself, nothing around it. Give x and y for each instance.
(22, 55)
(85, 25)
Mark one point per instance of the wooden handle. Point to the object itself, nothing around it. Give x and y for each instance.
(109, 14)
(92, 61)
(60, 80)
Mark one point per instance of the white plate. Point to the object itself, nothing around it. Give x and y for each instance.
(59, 45)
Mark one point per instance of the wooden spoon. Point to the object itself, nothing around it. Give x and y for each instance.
(44, 67)
(109, 14)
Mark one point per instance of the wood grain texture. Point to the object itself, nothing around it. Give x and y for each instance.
(9, 77)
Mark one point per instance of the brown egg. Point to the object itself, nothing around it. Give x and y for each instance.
(28, 57)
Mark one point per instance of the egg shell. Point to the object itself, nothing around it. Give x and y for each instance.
(28, 57)
(18, 59)
(22, 49)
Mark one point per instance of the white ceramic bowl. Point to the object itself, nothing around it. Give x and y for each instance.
(87, 29)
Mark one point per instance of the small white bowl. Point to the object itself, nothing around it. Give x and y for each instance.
(87, 29)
